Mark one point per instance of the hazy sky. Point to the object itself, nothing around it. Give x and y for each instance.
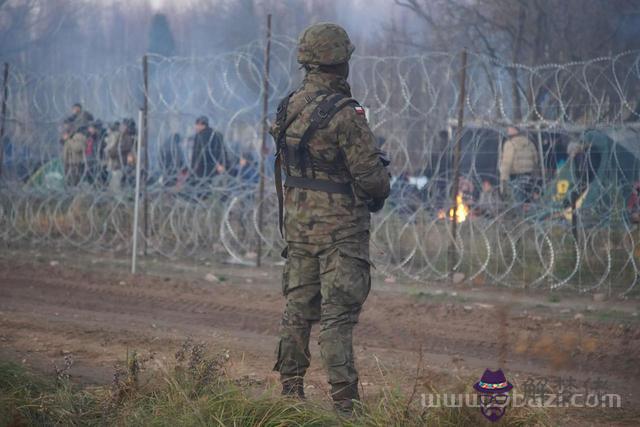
(160, 4)
(363, 19)
(156, 4)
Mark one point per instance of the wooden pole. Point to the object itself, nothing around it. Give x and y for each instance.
(145, 146)
(3, 113)
(456, 161)
(503, 335)
(263, 150)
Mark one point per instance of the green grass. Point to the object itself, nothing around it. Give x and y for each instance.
(553, 298)
(198, 393)
(612, 315)
(434, 297)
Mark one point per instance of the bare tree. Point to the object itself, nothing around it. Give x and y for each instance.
(32, 23)
(530, 32)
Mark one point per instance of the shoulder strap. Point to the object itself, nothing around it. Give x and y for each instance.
(320, 117)
(283, 123)
(281, 116)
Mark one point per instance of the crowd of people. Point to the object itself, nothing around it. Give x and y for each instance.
(94, 154)
(105, 155)
(518, 182)
(522, 184)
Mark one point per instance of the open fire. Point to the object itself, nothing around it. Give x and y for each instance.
(461, 211)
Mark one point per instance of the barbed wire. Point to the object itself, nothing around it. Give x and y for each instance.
(541, 243)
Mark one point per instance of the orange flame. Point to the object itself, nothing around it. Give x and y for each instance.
(461, 211)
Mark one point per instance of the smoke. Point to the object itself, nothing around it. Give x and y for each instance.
(93, 36)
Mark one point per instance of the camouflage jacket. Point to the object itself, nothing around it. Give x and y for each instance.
(349, 146)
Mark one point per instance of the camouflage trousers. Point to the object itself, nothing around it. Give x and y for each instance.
(328, 284)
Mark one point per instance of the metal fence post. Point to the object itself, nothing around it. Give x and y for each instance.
(136, 203)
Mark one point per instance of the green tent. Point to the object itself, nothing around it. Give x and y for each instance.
(599, 177)
(49, 176)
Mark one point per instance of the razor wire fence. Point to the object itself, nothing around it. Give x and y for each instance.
(577, 229)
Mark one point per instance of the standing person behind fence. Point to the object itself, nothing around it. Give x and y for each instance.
(246, 169)
(518, 166)
(119, 145)
(95, 140)
(129, 139)
(79, 117)
(102, 156)
(111, 160)
(334, 177)
(74, 156)
(208, 158)
(66, 130)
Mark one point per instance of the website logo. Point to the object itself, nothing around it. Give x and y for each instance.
(493, 392)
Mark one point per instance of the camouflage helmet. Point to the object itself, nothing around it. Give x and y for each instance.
(324, 44)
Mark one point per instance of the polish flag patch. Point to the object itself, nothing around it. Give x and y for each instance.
(359, 110)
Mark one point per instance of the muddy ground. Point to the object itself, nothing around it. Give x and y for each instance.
(89, 307)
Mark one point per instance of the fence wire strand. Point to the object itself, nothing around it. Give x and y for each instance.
(410, 101)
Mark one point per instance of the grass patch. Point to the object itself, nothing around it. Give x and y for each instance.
(553, 298)
(426, 296)
(197, 392)
(612, 315)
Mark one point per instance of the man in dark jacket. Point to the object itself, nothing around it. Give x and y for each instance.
(209, 157)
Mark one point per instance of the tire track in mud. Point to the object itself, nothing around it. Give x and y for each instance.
(140, 304)
(218, 307)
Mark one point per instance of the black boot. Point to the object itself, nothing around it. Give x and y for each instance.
(343, 395)
(292, 387)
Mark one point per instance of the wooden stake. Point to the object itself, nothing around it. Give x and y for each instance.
(3, 113)
(456, 162)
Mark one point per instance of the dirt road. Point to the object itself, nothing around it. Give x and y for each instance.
(50, 309)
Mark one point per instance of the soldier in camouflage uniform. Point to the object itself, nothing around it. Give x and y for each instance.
(334, 177)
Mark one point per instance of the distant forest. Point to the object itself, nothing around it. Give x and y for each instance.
(72, 36)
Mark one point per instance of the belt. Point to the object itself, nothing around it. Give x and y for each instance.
(317, 185)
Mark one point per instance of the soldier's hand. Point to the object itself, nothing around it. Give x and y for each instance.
(219, 168)
(375, 205)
